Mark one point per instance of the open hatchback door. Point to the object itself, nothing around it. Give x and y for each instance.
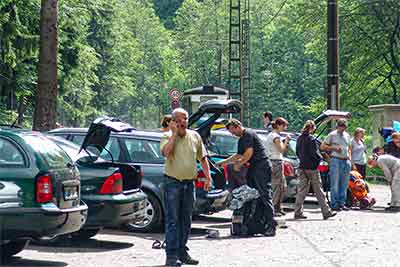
(327, 116)
(209, 112)
(96, 141)
(100, 130)
(203, 120)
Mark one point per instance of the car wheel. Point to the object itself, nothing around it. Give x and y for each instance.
(12, 248)
(84, 234)
(153, 217)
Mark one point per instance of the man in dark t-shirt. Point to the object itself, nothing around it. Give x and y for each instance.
(252, 151)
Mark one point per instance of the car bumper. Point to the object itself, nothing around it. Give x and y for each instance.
(46, 221)
(213, 201)
(115, 210)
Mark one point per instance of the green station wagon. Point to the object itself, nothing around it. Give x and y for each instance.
(39, 190)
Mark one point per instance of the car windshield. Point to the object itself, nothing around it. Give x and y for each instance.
(72, 149)
(51, 152)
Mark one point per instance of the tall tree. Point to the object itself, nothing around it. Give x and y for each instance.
(47, 90)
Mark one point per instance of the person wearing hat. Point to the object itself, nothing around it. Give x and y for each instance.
(338, 143)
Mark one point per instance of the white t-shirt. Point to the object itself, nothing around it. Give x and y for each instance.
(272, 150)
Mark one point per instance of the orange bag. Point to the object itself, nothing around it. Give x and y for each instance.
(357, 185)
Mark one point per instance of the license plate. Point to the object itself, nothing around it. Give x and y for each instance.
(71, 193)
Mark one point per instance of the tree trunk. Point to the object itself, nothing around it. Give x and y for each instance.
(46, 95)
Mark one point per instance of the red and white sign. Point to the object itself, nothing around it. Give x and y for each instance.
(175, 94)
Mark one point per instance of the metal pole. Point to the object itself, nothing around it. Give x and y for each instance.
(332, 88)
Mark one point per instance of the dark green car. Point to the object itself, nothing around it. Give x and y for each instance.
(39, 190)
(111, 190)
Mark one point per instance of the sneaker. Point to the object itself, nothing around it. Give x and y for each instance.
(299, 216)
(270, 231)
(344, 208)
(329, 215)
(186, 259)
(336, 209)
(172, 261)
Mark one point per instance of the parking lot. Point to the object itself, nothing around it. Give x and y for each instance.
(352, 238)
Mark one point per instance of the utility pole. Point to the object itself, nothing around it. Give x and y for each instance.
(332, 89)
(239, 55)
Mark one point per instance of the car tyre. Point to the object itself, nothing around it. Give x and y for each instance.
(10, 249)
(153, 217)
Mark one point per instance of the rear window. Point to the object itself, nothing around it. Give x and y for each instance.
(71, 149)
(54, 156)
(10, 155)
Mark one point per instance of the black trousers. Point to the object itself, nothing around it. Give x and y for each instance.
(259, 177)
(361, 169)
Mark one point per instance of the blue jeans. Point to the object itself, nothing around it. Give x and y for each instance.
(339, 172)
(178, 198)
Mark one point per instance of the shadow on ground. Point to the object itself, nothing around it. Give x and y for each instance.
(21, 262)
(91, 245)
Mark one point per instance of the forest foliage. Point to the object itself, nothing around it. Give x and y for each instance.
(120, 58)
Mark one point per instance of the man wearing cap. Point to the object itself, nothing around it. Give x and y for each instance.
(338, 142)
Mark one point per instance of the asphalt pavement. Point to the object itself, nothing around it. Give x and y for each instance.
(352, 238)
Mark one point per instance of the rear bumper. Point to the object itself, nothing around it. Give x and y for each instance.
(209, 202)
(46, 221)
(115, 210)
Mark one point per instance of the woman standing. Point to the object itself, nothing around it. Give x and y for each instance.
(275, 149)
(358, 151)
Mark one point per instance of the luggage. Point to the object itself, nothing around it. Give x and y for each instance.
(249, 219)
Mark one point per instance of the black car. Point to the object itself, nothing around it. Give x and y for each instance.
(111, 201)
(142, 148)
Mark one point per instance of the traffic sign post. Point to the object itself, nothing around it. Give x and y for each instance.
(175, 94)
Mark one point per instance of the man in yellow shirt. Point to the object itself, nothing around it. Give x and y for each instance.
(182, 148)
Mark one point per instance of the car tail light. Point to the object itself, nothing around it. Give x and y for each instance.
(199, 183)
(226, 172)
(323, 167)
(44, 190)
(288, 169)
(112, 185)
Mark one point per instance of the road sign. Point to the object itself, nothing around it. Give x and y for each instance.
(175, 94)
(175, 104)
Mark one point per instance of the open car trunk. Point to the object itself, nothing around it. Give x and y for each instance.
(322, 121)
(213, 110)
(96, 140)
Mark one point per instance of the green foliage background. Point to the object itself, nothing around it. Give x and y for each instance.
(121, 58)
